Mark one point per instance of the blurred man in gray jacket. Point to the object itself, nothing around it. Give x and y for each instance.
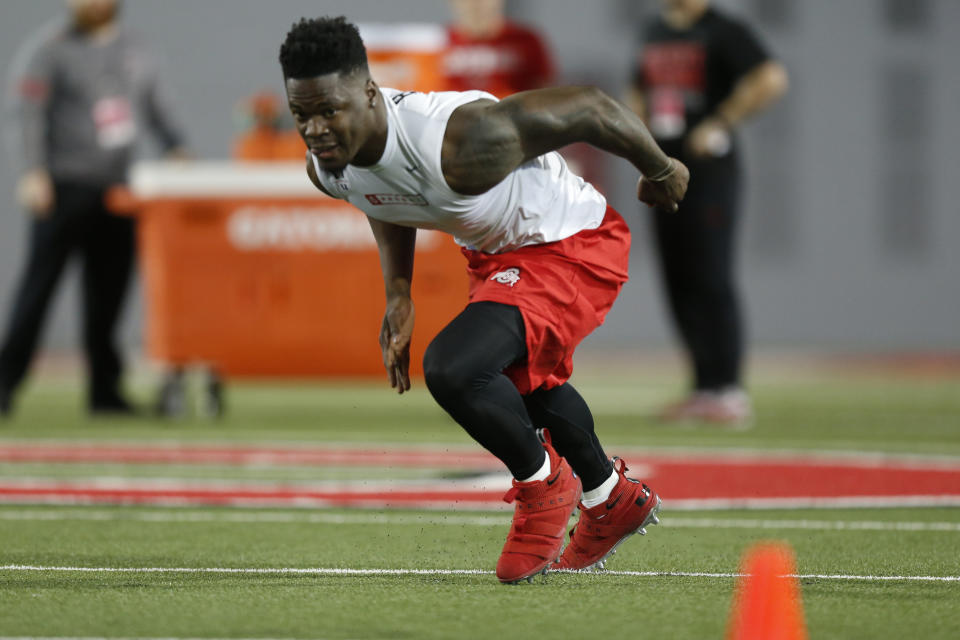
(84, 91)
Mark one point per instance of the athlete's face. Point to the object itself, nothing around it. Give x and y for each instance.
(684, 8)
(92, 14)
(336, 117)
(477, 15)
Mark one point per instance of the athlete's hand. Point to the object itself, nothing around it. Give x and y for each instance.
(395, 337)
(709, 139)
(35, 193)
(666, 192)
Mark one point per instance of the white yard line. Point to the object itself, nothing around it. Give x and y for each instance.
(820, 525)
(335, 571)
(253, 518)
(722, 454)
(478, 482)
(451, 501)
(813, 502)
(123, 638)
(179, 516)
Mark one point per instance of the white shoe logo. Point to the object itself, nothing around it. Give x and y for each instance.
(509, 276)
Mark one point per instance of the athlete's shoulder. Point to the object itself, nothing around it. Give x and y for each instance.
(417, 111)
(49, 36)
(432, 103)
(723, 20)
(518, 30)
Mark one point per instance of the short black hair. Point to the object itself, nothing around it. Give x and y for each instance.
(319, 46)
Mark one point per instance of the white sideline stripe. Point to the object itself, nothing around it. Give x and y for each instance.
(838, 502)
(458, 520)
(305, 518)
(479, 482)
(335, 571)
(675, 504)
(799, 576)
(722, 454)
(823, 525)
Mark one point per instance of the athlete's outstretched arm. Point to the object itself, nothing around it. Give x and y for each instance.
(396, 245)
(486, 140)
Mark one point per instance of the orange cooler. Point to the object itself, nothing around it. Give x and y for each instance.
(250, 270)
(406, 56)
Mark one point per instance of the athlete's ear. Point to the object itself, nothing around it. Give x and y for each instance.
(372, 91)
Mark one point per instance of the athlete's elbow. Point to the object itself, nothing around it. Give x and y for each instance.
(778, 79)
(599, 114)
(769, 81)
(597, 101)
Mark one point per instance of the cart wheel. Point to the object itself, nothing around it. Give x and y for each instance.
(212, 400)
(172, 397)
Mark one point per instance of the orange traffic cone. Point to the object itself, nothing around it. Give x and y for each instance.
(766, 605)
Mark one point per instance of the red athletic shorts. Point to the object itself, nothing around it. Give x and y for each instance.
(563, 289)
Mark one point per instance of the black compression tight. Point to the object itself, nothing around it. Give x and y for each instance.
(696, 247)
(463, 368)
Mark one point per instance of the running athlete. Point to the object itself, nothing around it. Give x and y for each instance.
(545, 254)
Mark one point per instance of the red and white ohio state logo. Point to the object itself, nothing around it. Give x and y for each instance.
(508, 277)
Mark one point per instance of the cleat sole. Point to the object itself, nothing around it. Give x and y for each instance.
(528, 579)
(652, 518)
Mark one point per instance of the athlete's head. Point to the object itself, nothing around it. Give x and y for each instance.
(683, 13)
(320, 46)
(90, 15)
(335, 103)
(478, 18)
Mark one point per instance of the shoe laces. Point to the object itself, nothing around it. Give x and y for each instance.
(620, 466)
(518, 522)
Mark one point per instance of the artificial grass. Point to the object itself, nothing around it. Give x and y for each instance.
(48, 603)
(821, 411)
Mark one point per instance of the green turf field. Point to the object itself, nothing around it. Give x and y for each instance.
(167, 572)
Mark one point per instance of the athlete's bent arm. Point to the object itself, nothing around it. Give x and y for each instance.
(754, 92)
(396, 245)
(486, 140)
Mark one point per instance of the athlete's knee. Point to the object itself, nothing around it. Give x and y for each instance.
(714, 287)
(445, 373)
(94, 337)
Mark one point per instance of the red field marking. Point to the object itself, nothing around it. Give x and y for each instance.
(699, 478)
(719, 478)
(247, 456)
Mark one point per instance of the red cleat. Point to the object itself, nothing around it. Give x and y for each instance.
(730, 408)
(631, 507)
(543, 510)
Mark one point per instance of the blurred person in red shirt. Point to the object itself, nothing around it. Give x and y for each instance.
(267, 140)
(489, 53)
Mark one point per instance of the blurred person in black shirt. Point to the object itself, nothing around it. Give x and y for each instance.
(84, 89)
(699, 74)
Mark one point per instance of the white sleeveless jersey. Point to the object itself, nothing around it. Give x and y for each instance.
(541, 201)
